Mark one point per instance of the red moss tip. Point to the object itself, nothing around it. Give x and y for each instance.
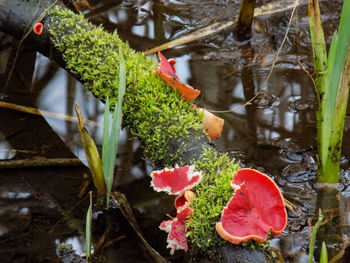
(256, 208)
(38, 28)
(176, 180)
(167, 73)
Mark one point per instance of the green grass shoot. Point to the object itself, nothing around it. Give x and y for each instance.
(111, 136)
(88, 229)
(313, 235)
(332, 81)
(324, 254)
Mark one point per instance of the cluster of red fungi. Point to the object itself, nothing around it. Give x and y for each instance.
(177, 181)
(255, 209)
(211, 124)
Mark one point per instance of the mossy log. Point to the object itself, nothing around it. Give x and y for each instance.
(168, 126)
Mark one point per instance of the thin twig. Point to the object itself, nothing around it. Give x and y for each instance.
(40, 162)
(39, 112)
(278, 254)
(66, 215)
(290, 205)
(311, 78)
(341, 253)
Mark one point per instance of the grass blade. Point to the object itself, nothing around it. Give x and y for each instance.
(313, 235)
(320, 68)
(105, 137)
(324, 256)
(112, 146)
(331, 165)
(88, 229)
(338, 54)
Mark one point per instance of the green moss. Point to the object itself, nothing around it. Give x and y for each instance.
(152, 110)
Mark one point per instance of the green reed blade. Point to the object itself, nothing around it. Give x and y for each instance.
(320, 67)
(88, 230)
(105, 136)
(333, 92)
(324, 256)
(112, 144)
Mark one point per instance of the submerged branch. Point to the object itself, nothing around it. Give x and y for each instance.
(42, 162)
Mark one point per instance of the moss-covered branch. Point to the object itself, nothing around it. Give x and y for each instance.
(169, 128)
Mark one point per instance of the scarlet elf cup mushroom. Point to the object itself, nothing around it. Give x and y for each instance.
(255, 209)
(167, 73)
(211, 124)
(178, 180)
(38, 28)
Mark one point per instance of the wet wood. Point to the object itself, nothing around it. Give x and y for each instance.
(45, 113)
(245, 19)
(40, 162)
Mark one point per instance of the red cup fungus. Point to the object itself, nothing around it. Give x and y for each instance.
(38, 28)
(256, 208)
(175, 181)
(211, 124)
(184, 200)
(176, 229)
(167, 73)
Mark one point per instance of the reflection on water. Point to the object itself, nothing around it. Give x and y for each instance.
(6, 151)
(274, 132)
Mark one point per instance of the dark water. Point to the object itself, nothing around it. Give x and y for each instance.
(275, 133)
